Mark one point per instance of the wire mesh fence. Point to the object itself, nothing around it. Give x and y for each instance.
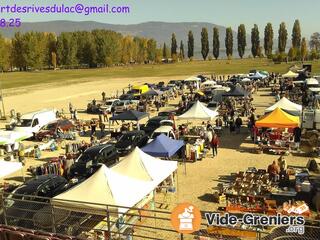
(118, 222)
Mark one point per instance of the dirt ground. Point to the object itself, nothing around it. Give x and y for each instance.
(197, 183)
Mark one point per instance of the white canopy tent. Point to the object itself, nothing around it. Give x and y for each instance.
(141, 166)
(290, 74)
(286, 105)
(195, 80)
(105, 187)
(10, 137)
(7, 168)
(208, 84)
(199, 111)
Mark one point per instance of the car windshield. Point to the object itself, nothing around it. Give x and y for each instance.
(109, 103)
(127, 137)
(86, 157)
(135, 91)
(120, 104)
(153, 124)
(25, 123)
(50, 126)
(156, 134)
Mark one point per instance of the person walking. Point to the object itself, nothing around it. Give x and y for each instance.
(238, 124)
(93, 126)
(103, 96)
(113, 110)
(215, 144)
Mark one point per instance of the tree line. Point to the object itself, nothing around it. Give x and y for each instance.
(99, 48)
(299, 50)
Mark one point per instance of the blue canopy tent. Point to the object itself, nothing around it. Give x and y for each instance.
(163, 146)
(258, 76)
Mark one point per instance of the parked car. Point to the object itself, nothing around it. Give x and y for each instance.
(128, 141)
(89, 161)
(31, 123)
(130, 97)
(50, 130)
(166, 130)
(152, 124)
(108, 105)
(124, 105)
(165, 113)
(18, 205)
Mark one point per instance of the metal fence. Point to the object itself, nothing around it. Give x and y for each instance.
(39, 213)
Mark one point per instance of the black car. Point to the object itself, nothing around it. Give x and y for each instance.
(153, 123)
(92, 158)
(20, 204)
(129, 96)
(128, 141)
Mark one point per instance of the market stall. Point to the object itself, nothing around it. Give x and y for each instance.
(163, 146)
(278, 138)
(236, 91)
(130, 115)
(198, 112)
(290, 74)
(287, 106)
(7, 168)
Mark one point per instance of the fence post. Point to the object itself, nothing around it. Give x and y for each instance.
(109, 225)
(181, 236)
(4, 209)
(53, 217)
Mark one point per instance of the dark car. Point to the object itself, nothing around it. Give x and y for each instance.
(128, 141)
(50, 130)
(18, 205)
(153, 123)
(92, 158)
(129, 96)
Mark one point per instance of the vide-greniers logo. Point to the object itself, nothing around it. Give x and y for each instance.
(186, 218)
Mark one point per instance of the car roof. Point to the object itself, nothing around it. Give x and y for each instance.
(33, 184)
(134, 132)
(96, 149)
(163, 129)
(157, 118)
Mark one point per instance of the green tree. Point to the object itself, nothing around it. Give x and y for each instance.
(5, 50)
(181, 53)
(304, 49)
(315, 41)
(296, 35)
(229, 42)
(173, 45)
(67, 49)
(283, 37)
(190, 44)
(292, 54)
(215, 43)
(255, 41)
(165, 51)
(268, 40)
(204, 43)
(151, 49)
(242, 42)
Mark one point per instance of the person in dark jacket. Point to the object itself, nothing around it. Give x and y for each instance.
(297, 137)
(238, 124)
(214, 144)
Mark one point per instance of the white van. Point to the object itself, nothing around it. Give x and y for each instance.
(32, 122)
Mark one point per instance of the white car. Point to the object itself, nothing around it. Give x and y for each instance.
(108, 105)
(166, 130)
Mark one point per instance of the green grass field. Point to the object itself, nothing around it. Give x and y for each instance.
(21, 79)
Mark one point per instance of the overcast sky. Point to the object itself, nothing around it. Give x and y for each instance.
(221, 12)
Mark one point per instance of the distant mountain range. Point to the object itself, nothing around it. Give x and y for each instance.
(160, 31)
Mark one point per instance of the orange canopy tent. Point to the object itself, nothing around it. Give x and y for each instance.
(278, 119)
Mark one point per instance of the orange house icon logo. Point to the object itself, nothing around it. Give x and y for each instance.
(186, 218)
